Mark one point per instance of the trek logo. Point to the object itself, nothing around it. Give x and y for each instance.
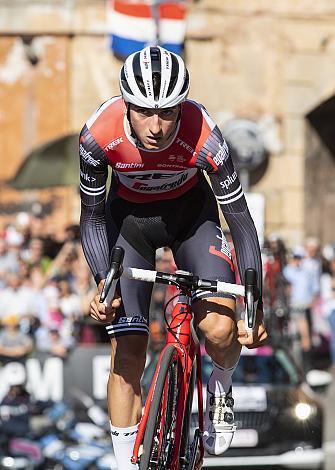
(151, 176)
(148, 87)
(114, 143)
(186, 146)
(86, 177)
(229, 180)
(87, 156)
(221, 155)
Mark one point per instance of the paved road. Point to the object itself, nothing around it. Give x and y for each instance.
(329, 438)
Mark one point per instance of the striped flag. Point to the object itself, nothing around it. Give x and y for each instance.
(135, 24)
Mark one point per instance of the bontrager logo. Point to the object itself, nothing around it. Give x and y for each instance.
(221, 155)
(229, 180)
(171, 165)
(87, 156)
(114, 143)
(129, 165)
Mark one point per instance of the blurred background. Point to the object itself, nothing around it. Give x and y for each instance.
(265, 72)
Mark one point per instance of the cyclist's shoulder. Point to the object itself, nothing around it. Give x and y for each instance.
(108, 112)
(195, 112)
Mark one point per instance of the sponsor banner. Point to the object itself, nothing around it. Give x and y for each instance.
(135, 24)
(52, 378)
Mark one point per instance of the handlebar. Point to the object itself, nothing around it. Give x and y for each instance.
(183, 280)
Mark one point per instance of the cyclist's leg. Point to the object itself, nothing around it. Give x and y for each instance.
(205, 252)
(129, 335)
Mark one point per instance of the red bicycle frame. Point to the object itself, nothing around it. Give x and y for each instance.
(182, 336)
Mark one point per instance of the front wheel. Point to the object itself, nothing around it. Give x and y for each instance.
(158, 442)
(190, 455)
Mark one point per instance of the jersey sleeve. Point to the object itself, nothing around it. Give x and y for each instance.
(93, 178)
(215, 159)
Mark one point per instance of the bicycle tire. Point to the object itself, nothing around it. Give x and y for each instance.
(185, 437)
(153, 458)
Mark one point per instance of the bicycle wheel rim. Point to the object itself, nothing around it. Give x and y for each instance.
(158, 442)
(185, 439)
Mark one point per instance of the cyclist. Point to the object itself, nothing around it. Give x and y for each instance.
(159, 145)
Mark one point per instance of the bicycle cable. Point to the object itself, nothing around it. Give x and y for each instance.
(168, 327)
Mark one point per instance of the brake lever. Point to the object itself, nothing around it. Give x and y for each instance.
(115, 271)
(251, 299)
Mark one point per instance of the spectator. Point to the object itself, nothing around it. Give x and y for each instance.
(52, 340)
(13, 294)
(328, 304)
(14, 344)
(15, 406)
(301, 298)
(35, 255)
(8, 260)
(69, 302)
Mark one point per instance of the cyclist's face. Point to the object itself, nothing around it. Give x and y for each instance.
(154, 127)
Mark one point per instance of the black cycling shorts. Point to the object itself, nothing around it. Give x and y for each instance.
(189, 225)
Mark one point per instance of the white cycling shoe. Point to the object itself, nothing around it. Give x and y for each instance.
(219, 423)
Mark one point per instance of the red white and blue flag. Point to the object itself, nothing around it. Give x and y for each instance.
(135, 24)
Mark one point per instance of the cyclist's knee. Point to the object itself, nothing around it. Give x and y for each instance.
(217, 321)
(221, 332)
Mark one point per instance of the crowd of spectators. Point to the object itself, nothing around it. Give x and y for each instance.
(46, 288)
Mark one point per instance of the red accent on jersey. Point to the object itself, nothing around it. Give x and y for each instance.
(143, 175)
(214, 251)
(211, 161)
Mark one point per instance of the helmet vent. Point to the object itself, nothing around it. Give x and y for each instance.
(125, 83)
(138, 74)
(174, 75)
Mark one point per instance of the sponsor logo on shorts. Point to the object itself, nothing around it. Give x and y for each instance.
(224, 251)
(135, 319)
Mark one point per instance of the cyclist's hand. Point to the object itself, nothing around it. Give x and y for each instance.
(257, 337)
(99, 311)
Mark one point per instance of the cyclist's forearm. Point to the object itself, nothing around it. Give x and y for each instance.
(229, 194)
(94, 240)
(246, 243)
(93, 177)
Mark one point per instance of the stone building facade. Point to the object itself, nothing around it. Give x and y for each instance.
(251, 59)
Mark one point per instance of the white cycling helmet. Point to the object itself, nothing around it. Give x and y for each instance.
(154, 78)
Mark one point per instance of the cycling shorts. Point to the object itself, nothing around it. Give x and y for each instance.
(189, 225)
